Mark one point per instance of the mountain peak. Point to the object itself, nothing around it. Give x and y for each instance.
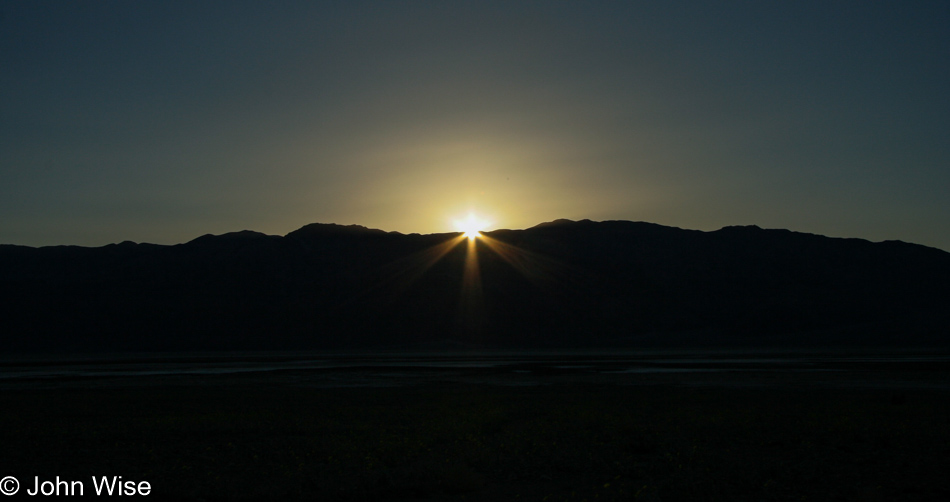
(334, 228)
(561, 222)
(229, 236)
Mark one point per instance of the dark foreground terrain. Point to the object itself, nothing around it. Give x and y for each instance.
(849, 430)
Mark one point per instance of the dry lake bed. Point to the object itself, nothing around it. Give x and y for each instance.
(622, 425)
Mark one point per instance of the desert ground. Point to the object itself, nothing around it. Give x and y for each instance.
(833, 428)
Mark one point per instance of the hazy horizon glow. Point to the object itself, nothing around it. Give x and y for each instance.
(164, 121)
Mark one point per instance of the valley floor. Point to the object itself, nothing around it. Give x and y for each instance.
(843, 429)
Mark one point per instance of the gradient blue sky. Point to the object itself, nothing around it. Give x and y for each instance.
(161, 121)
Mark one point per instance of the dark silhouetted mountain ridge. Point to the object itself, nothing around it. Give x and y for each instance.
(557, 284)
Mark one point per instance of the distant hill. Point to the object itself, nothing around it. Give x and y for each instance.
(558, 284)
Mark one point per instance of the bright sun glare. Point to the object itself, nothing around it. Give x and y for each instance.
(471, 226)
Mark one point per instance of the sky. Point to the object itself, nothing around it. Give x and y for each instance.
(162, 121)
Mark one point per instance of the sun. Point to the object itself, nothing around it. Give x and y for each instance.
(471, 226)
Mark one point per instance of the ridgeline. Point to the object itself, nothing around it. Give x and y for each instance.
(562, 284)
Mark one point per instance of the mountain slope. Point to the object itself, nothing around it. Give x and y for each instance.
(559, 284)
